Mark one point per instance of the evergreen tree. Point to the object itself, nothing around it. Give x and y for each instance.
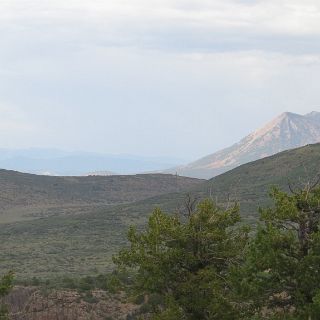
(281, 275)
(185, 262)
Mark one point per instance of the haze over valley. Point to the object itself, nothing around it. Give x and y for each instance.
(287, 131)
(159, 160)
(57, 162)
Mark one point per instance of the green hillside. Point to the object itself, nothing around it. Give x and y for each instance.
(250, 183)
(24, 196)
(82, 243)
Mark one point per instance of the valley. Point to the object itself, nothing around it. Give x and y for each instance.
(159, 160)
(70, 239)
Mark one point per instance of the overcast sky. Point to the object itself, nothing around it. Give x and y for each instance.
(153, 77)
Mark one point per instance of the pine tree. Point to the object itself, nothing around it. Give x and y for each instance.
(185, 262)
(281, 275)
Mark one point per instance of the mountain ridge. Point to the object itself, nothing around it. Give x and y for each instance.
(287, 131)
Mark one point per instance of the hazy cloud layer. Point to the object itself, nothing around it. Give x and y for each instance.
(180, 78)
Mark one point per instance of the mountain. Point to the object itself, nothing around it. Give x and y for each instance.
(287, 131)
(66, 240)
(63, 163)
(314, 116)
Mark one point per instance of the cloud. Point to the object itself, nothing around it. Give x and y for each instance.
(153, 76)
(289, 26)
(13, 121)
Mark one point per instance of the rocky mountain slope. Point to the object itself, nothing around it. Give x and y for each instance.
(287, 131)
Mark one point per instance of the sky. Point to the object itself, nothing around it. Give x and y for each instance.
(174, 78)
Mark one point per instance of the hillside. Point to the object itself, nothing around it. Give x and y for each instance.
(286, 132)
(250, 183)
(82, 244)
(26, 195)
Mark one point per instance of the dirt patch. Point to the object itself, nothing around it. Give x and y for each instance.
(31, 303)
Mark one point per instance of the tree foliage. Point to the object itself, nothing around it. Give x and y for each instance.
(5, 287)
(281, 273)
(185, 262)
(205, 266)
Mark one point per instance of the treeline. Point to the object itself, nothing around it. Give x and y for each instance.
(205, 264)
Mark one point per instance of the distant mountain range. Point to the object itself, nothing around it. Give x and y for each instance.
(285, 132)
(63, 163)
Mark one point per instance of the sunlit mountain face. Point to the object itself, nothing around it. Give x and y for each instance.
(287, 131)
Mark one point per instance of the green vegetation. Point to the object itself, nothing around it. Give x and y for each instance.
(205, 266)
(189, 264)
(27, 196)
(108, 282)
(250, 184)
(5, 287)
(281, 270)
(71, 226)
(185, 261)
(78, 237)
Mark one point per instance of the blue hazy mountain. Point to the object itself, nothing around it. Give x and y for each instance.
(59, 162)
